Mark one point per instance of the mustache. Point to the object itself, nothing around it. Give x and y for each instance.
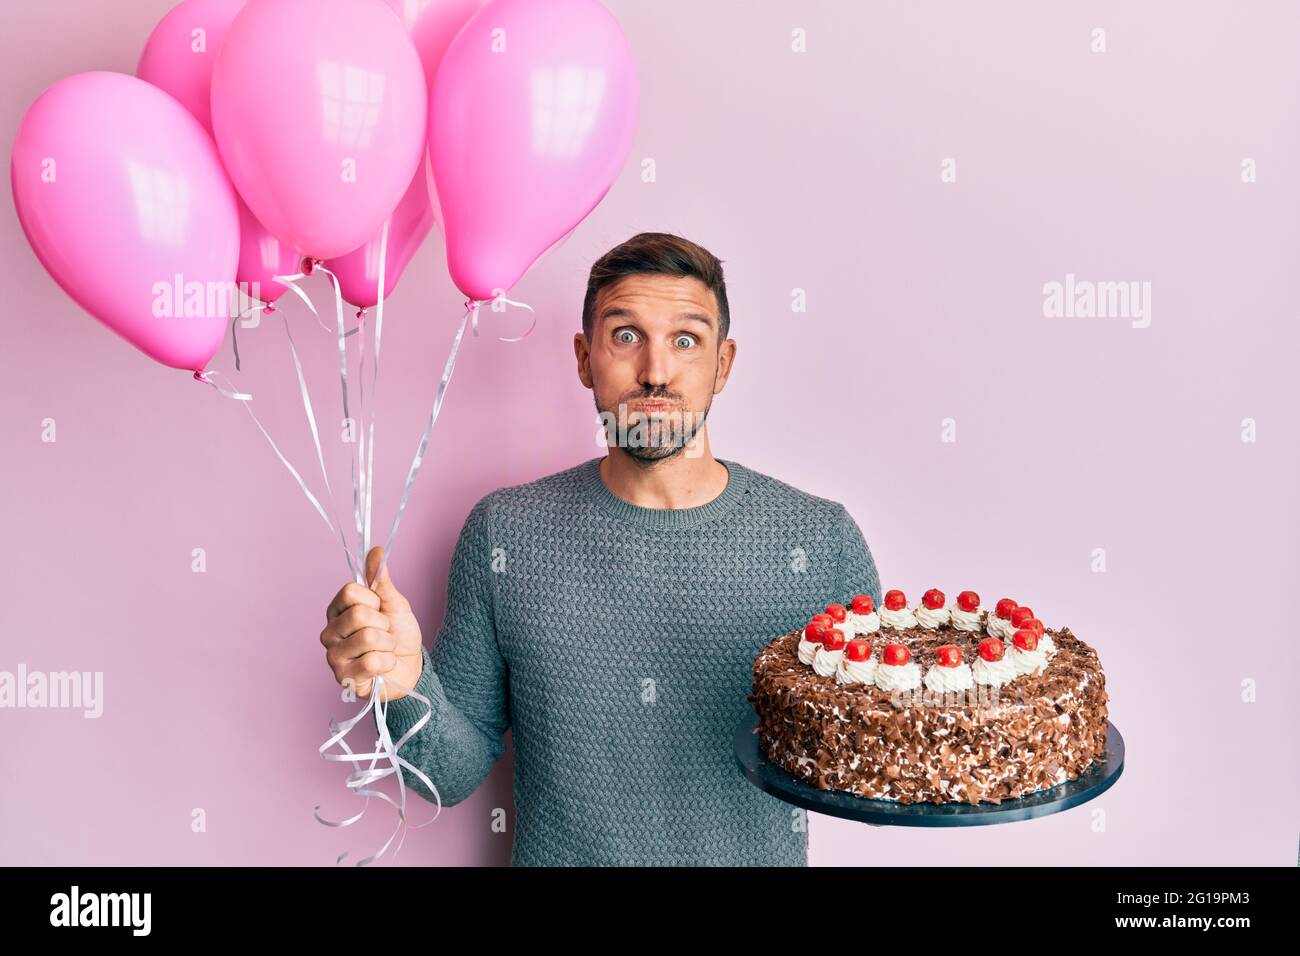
(651, 398)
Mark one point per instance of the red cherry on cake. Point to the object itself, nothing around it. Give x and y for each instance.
(895, 600)
(897, 654)
(933, 599)
(949, 655)
(862, 604)
(834, 640)
(858, 650)
(1035, 625)
(991, 649)
(1005, 607)
(1026, 639)
(968, 601)
(816, 631)
(837, 612)
(1020, 615)
(821, 616)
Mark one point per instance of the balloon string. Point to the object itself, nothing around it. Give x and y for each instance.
(355, 568)
(361, 445)
(374, 379)
(353, 460)
(315, 435)
(234, 327)
(471, 308)
(385, 747)
(207, 377)
(290, 283)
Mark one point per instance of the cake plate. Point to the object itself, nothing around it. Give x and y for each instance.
(770, 778)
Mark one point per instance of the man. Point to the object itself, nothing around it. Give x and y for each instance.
(609, 614)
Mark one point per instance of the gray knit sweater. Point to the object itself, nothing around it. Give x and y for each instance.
(616, 643)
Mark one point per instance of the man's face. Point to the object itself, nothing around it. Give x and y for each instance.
(655, 352)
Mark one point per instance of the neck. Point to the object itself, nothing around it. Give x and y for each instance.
(689, 478)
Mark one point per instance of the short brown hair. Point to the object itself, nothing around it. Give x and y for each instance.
(657, 253)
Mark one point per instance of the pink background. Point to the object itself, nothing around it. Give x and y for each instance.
(818, 171)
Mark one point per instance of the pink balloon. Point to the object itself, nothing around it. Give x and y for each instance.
(262, 257)
(319, 112)
(123, 198)
(532, 115)
(358, 271)
(431, 24)
(179, 55)
(178, 58)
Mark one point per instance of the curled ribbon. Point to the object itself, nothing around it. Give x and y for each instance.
(385, 749)
(522, 305)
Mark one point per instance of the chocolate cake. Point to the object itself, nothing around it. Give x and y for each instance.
(887, 704)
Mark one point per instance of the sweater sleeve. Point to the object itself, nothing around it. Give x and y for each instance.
(858, 573)
(464, 677)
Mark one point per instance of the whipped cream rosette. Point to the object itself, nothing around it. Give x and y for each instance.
(1024, 617)
(992, 668)
(862, 616)
(858, 665)
(896, 614)
(998, 623)
(932, 613)
(1026, 654)
(966, 614)
(949, 672)
(827, 660)
(897, 670)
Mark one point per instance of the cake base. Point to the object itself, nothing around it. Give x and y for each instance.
(771, 779)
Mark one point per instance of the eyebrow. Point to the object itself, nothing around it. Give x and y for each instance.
(615, 312)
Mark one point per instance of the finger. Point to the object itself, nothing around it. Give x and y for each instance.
(351, 594)
(351, 621)
(381, 582)
(369, 665)
(364, 641)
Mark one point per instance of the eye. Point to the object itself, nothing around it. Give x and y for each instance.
(685, 341)
(625, 335)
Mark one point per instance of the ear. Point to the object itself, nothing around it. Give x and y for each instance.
(583, 355)
(726, 359)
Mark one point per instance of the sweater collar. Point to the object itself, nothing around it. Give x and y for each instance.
(659, 518)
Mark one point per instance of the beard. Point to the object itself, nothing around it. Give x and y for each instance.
(650, 438)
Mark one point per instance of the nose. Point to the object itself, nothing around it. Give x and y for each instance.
(656, 368)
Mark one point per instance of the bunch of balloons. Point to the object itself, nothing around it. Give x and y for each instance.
(262, 139)
(259, 133)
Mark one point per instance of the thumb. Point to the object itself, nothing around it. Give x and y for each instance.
(383, 584)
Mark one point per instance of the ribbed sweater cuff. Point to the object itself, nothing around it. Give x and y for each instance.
(403, 713)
